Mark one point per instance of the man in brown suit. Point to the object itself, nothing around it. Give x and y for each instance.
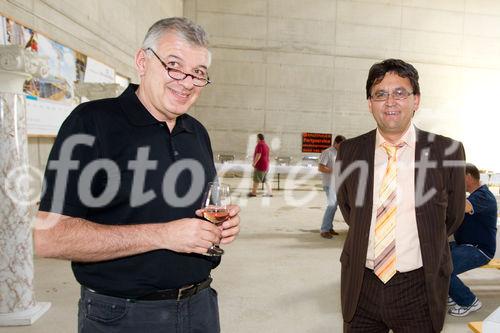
(396, 261)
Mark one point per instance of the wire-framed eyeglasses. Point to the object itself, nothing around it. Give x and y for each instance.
(397, 94)
(180, 75)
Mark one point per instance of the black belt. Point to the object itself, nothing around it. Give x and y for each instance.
(167, 294)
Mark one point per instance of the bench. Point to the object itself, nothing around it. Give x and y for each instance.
(494, 263)
(476, 326)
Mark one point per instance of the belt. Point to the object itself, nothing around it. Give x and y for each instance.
(167, 294)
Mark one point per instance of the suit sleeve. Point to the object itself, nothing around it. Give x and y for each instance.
(342, 195)
(456, 190)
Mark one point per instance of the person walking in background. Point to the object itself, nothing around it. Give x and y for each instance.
(401, 191)
(325, 166)
(261, 167)
(475, 242)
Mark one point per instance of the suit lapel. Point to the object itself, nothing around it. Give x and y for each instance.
(422, 142)
(368, 154)
(422, 150)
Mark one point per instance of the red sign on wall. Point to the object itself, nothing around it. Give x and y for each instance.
(315, 142)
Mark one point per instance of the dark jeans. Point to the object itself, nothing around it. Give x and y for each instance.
(106, 314)
(465, 257)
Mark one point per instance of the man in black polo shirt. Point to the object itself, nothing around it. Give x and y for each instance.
(122, 193)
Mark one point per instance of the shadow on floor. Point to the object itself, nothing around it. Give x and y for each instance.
(303, 238)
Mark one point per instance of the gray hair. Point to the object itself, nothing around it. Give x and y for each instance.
(191, 32)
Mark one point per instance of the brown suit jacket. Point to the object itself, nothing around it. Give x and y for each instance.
(437, 218)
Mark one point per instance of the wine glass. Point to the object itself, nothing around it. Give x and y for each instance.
(216, 200)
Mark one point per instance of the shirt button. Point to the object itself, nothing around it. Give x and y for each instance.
(162, 125)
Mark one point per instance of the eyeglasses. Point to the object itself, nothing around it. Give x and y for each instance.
(180, 75)
(398, 94)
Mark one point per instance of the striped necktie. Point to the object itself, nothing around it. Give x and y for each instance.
(385, 226)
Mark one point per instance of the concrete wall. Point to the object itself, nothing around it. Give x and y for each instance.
(283, 67)
(109, 31)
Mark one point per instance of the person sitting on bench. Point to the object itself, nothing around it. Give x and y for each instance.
(475, 242)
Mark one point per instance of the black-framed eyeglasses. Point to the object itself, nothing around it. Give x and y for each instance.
(180, 75)
(397, 94)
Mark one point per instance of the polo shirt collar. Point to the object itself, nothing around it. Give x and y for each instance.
(138, 115)
(183, 124)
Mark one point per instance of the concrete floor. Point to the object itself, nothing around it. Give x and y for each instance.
(279, 276)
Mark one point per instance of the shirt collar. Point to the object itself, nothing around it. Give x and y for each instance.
(408, 138)
(481, 186)
(138, 115)
(183, 123)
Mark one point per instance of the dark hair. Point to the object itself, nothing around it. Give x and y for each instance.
(401, 68)
(260, 136)
(471, 169)
(339, 139)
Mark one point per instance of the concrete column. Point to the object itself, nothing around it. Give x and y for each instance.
(17, 300)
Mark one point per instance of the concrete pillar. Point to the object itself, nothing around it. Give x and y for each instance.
(17, 300)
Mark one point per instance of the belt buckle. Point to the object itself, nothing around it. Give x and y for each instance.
(181, 290)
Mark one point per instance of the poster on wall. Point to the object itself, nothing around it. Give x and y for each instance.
(81, 63)
(15, 34)
(58, 85)
(97, 72)
(50, 99)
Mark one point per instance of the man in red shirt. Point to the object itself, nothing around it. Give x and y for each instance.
(261, 166)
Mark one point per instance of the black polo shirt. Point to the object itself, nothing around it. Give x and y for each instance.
(107, 140)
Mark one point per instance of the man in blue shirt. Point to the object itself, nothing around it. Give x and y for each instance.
(475, 242)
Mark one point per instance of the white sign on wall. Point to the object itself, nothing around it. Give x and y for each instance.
(97, 72)
(44, 117)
